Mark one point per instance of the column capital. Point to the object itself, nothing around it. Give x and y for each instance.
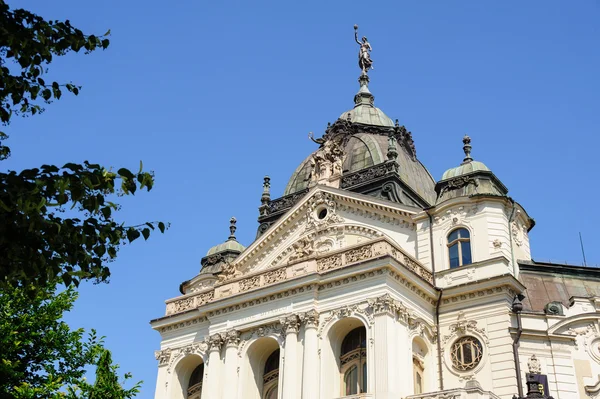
(232, 338)
(290, 323)
(215, 342)
(310, 318)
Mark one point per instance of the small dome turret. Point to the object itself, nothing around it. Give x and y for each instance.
(222, 253)
(469, 178)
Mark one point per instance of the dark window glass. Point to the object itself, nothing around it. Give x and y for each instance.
(354, 340)
(272, 362)
(466, 252)
(453, 251)
(453, 236)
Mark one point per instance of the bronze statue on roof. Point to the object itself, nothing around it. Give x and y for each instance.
(364, 57)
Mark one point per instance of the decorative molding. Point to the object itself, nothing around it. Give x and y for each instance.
(231, 338)
(310, 319)
(419, 327)
(464, 327)
(330, 262)
(302, 249)
(385, 304)
(188, 323)
(163, 356)
(275, 276)
(456, 215)
(290, 324)
(284, 203)
(190, 302)
(215, 342)
(361, 308)
(322, 203)
(273, 330)
(196, 348)
(479, 294)
(249, 283)
(519, 232)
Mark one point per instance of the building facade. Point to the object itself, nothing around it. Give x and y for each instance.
(369, 278)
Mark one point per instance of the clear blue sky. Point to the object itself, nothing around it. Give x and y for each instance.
(214, 95)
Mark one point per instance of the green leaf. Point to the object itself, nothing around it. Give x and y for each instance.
(146, 233)
(161, 227)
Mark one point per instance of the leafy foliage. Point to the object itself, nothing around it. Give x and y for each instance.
(28, 44)
(38, 241)
(42, 357)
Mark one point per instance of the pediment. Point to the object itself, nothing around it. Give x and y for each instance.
(325, 219)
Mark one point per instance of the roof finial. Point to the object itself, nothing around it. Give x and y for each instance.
(392, 153)
(232, 228)
(266, 194)
(467, 149)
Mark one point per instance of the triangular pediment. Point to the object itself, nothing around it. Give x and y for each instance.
(326, 219)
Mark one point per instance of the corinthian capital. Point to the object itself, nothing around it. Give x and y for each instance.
(215, 342)
(290, 323)
(232, 338)
(310, 318)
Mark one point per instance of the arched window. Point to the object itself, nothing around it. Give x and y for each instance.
(420, 354)
(195, 385)
(271, 376)
(353, 362)
(459, 248)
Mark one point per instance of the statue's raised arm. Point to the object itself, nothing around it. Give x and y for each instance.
(356, 35)
(364, 58)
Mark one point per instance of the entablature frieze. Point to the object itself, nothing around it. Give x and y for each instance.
(377, 248)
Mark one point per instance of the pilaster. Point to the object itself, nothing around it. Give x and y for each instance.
(212, 388)
(310, 372)
(232, 341)
(290, 325)
(385, 334)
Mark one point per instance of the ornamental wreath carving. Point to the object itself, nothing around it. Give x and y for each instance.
(321, 211)
(275, 276)
(462, 327)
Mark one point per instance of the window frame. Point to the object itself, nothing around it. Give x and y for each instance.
(459, 242)
(354, 358)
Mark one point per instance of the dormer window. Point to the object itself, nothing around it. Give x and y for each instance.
(459, 248)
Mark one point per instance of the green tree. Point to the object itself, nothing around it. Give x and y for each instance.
(57, 226)
(42, 357)
(38, 242)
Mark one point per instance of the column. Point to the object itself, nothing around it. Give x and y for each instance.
(310, 372)
(290, 363)
(212, 386)
(230, 381)
(385, 370)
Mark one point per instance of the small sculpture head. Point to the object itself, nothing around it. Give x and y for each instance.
(364, 39)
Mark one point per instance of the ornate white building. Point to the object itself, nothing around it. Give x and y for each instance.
(370, 279)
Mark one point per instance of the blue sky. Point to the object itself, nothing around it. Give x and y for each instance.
(214, 95)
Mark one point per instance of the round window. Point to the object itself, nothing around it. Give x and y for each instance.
(322, 214)
(466, 353)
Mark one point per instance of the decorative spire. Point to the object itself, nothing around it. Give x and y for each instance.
(392, 153)
(467, 149)
(232, 229)
(266, 194)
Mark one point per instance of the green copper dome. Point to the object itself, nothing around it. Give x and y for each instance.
(231, 245)
(464, 169)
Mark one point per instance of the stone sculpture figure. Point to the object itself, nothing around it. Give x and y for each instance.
(364, 57)
(327, 161)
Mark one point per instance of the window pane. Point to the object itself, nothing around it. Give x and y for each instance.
(466, 252)
(463, 233)
(363, 388)
(453, 253)
(351, 381)
(453, 236)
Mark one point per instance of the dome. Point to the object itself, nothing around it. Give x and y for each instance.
(464, 169)
(229, 245)
(363, 150)
(469, 178)
(365, 144)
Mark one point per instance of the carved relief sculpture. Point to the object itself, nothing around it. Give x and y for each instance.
(534, 365)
